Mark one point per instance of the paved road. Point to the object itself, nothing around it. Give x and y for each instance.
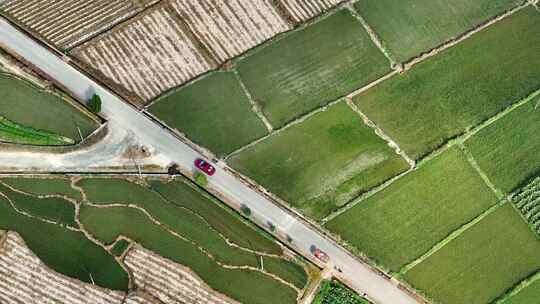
(361, 277)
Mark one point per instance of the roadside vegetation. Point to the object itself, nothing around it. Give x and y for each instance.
(31, 115)
(406, 219)
(311, 67)
(328, 159)
(214, 112)
(410, 27)
(482, 263)
(333, 292)
(507, 150)
(14, 133)
(433, 102)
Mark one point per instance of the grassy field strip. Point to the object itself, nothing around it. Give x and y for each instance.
(485, 178)
(519, 287)
(255, 106)
(449, 238)
(407, 65)
(394, 145)
(315, 111)
(374, 37)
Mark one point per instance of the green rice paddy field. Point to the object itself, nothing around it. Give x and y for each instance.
(410, 27)
(311, 67)
(327, 160)
(406, 219)
(449, 93)
(37, 112)
(482, 263)
(507, 150)
(192, 225)
(214, 112)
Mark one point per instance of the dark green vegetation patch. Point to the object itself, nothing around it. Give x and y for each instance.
(120, 247)
(410, 27)
(493, 255)
(12, 132)
(527, 200)
(442, 97)
(214, 112)
(406, 219)
(333, 292)
(29, 106)
(311, 67)
(327, 160)
(508, 150)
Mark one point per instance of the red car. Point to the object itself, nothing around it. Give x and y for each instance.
(205, 167)
(319, 254)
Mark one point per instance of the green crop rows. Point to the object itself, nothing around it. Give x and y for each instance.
(410, 27)
(312, 67)
(333, 292)
(445, 95)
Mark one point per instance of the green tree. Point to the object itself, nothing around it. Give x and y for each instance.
(200, 179)
(94, 104)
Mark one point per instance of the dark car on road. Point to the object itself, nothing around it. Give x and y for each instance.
(205, 167)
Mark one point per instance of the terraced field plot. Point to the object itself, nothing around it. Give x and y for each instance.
(43, 186)
(148, 55)
(411, 27)
(31, 107)
(482, 263)
(76, 258)
(26, 279)
(508, 149)
(185, 227)
(311, 67)
(406, 219)
(229, 28)
(214, 112)
(170, 282)
(302, 10)
(327, 160)
(459, 88)
(67, 23)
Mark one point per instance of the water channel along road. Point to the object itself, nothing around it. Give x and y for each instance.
(235, 192)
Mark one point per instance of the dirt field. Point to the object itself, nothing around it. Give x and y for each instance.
(170, 282)
(302, 10)
(229, 28)
(149, 55)
(67, 23)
